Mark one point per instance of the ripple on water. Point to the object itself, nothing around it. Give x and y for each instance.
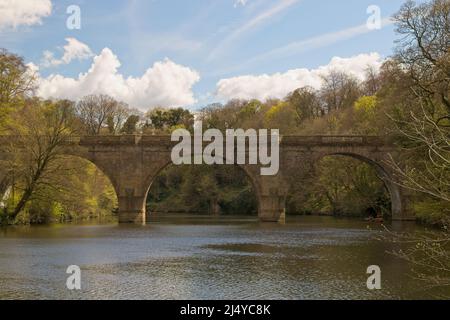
(306, 258)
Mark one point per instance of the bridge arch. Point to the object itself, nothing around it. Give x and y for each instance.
(64, 155)
(248, 170)
(383, 174)
(104, 168)
(104, 190)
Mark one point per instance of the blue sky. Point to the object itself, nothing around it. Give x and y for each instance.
(216, 39)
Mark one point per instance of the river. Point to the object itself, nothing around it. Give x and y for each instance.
(185, 257)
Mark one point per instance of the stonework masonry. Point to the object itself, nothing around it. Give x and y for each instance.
(132, 162)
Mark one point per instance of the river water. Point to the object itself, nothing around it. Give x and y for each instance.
(185, 257)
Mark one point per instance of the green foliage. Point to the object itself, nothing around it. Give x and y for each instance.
(365, 115)
(202, 189)
(306, 103)
(82, 193)
(432, 212)
(16, 84)
(164, 120)
(130, 125)
(341, 186)
(282, 116)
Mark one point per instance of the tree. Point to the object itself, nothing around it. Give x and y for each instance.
(78, 191)
(283, 116)
(424, 125)
(235, 114)
(305, 102)
(424, 49)
(179, 116)
(157, 118)
(17, 82)
(339, 90)
(365, 113)
(98, 111)
(203, 189)
(165, 120)
(130, 126)
(40, 130)
(117, 118)
(422, 120)
(372, 82)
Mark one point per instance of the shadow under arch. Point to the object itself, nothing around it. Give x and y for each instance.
(256, 188)
(382, 173)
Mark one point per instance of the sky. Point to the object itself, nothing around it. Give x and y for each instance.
(173, 53)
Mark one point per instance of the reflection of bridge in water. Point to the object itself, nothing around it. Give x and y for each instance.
(132, 162)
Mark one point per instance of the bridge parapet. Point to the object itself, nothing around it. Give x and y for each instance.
(164, 140)
(288, 140)
(109, 140)
(130, 140)
(292, 140)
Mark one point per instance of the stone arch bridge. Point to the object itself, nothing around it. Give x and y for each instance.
(132, 162)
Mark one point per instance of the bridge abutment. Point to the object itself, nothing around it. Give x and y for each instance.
(132, 209)
(271, 196)
(271, 208)
(405, 212)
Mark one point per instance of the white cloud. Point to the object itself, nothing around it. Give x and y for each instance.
(73, 50)
(49, 59)
(278, 85)
(164, 84)
(14, 13)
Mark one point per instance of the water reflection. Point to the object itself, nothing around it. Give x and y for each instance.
(204, 258)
